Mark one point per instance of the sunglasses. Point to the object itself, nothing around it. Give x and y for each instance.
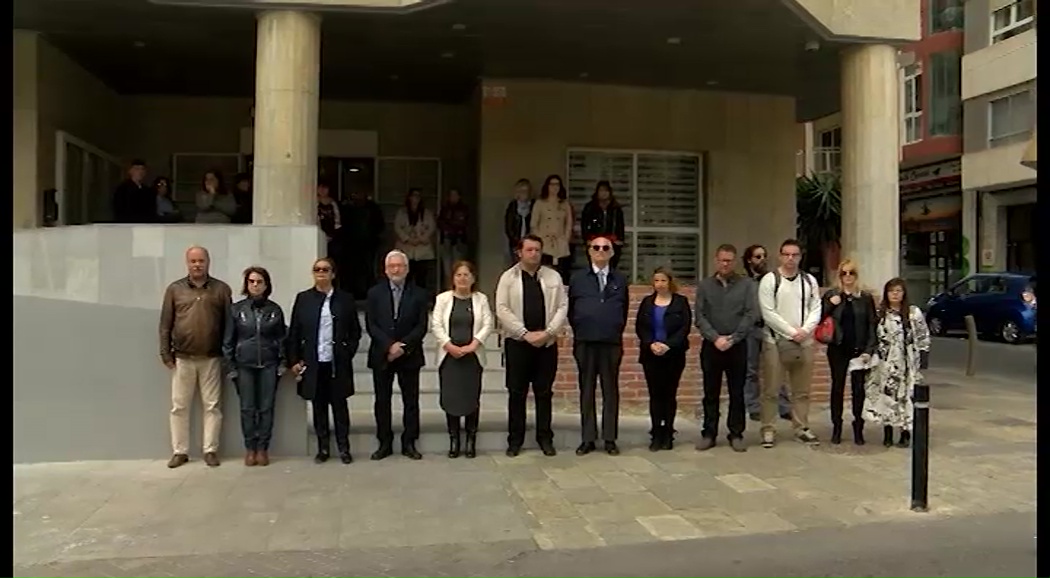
(322, 269)
(601, 247)
(847, 274)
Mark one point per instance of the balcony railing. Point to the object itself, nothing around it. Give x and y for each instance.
(827, 160)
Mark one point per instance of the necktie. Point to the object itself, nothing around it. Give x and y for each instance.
(601, 281)
(397, 299)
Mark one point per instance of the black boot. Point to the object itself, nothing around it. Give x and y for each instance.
(323, 450)
(887, 436)
(858, 432)
(657, 441)
(471, 449)
(453, 446)
(905, 439)
(836, 433)
(668, 440)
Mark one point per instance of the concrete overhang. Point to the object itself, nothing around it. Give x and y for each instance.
(389, 6)
(1028, 159)
(863, 21)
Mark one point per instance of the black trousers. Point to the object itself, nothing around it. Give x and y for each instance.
(455, 422)
(408, 383)
(325, 397)
(663, 373)
(529, 366)
(599, 363)
(563, 265)
(362, 270)
(838, 363)
(419, 273)
(732, 364)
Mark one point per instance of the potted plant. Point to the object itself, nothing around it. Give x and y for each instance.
(818, 205)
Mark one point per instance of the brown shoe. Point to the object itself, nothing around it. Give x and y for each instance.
(262, 458)
(177, 460)
(250, 458)
(211, 459)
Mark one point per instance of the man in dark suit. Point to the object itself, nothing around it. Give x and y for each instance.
(396, 320)
(598, 303)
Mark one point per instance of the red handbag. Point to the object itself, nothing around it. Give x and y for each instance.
(825, 330)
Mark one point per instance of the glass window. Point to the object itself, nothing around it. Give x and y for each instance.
(911, 120)
(945, 15)
(1011, 119)
(945, 91)
(827, 157)
(974, 285)
(1013, 19)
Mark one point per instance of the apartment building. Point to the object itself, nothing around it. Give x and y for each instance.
(999, 108)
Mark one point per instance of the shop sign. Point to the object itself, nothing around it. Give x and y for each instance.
(936, 175)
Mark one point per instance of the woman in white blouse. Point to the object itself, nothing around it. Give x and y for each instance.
(461, 322)
(552, 221)
(415, 228)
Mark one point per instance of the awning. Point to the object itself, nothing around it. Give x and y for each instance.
(1028, 159)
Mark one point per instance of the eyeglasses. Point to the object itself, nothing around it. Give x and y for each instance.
(322, 269)
(791, 255)
(847, 274)
(601, 247)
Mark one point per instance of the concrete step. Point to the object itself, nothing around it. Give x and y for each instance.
(492, 432)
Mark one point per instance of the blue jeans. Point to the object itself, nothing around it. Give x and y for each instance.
(751, 388)
(257, 388)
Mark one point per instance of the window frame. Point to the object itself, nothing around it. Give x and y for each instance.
(828, 158)
(631, 229)
(934, 9)
(998, 35)
(997, 141)
(915, 78)
(950, 97)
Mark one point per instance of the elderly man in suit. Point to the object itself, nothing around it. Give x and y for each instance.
(396, 321)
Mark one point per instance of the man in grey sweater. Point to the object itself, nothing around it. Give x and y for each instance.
(725, 316)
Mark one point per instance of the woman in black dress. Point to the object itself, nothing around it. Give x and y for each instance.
(461, 322)
(322, 340)
(663, 324)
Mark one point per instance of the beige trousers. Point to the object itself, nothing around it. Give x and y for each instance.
(189, 373)
(799, 381)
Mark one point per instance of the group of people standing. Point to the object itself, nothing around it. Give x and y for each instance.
(136, 201)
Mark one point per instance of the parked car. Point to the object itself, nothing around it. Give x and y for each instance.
(1003, 306)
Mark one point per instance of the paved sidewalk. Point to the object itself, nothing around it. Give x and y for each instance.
(122, 515)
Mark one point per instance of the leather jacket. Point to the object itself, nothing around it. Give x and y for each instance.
(255, 335)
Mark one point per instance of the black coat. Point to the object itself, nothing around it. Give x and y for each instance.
(409, 327)
(255, 335)
(864, 318)
(512, 222)
(678, 320)
(301, 345)
(596, 222)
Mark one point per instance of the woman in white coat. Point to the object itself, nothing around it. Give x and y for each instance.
(415, 228)
(461, 321)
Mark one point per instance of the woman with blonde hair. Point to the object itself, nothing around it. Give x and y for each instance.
(852, 310)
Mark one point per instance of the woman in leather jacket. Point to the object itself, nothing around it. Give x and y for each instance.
(603, 217)
(253, 348)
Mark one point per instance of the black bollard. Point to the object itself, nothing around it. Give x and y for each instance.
(920, 450)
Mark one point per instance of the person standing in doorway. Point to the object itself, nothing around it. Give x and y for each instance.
(531, 307)
(133, 200)
(517, 219)
(662, 325)
(552, 221)
(362, 236)
(254, 350)
(454, 225)
(322, 341)
(214, 204)
(193, 317)
(396, 319)
(603, 217)
(598, 304)
(330, 221)
(415, 228)
(755, 265)
(790, 303)
(725, 316)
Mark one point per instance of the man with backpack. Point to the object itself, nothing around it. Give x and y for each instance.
(789, 300)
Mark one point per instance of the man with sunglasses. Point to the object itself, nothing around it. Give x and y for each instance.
(598, 303)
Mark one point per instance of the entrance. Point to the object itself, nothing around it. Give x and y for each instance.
(84, 179)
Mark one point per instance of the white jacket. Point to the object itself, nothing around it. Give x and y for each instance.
(482, 322)
(509, 307)
(415, 241)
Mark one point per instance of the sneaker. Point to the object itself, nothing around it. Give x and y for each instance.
(805, 436)
(768, 439)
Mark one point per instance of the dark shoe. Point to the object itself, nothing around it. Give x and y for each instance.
(453, 445)
(262, 458)
(754, 416)
(321, 457)
(513, 451)
(211, 459)
(345, 457)
(471, 449)
(738, 445)
(858, 433)
(384, 451)
(178, 460)
(887, 436)
(656, 443)
(249, 458)
(611, 449)
(905, 439)
(409, 451)
(668, 441)
(548, 449)
(585, 448)
(836, 433)
(705, 444)
(786, 416)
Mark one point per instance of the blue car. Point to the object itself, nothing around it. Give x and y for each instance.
(1003, 306)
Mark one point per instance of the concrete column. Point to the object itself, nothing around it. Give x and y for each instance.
(25, 184)
(287, 98)
(870, 149)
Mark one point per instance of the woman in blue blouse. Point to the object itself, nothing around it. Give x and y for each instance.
(663, 323)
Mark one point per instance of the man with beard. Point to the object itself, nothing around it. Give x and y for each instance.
(755, 265)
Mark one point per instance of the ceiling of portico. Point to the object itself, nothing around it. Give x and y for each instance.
(439, 53)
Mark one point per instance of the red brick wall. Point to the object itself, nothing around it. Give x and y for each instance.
(632, 382)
